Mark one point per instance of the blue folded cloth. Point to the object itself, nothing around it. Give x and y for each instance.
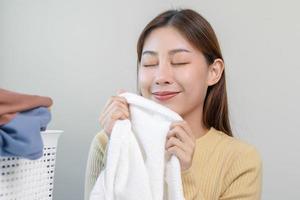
(21, 136)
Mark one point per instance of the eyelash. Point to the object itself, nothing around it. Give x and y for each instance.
(176, 64)
(180, 63)
(148, 65)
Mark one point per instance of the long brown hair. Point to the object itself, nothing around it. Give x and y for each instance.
(198, 31)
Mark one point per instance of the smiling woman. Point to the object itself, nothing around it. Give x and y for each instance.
(172, 69)
(180, 66)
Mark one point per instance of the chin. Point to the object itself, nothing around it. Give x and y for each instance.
(173, 108)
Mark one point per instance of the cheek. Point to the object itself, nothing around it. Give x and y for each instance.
(194, 83)
(193, 77)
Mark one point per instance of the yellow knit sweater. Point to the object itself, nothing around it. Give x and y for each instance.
(223, 168)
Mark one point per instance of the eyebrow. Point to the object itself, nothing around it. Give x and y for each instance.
(172, 52)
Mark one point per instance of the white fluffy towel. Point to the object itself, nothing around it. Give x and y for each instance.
(137, 167)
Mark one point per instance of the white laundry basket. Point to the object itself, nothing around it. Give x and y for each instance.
(23, 179)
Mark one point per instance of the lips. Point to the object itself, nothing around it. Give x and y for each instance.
(164, 95)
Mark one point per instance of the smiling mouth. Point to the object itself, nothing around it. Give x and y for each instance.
(164, 96)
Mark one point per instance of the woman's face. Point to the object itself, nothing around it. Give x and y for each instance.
(171, 65)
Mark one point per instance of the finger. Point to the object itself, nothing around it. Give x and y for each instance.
(178, 132)
(111, 118)
(185, 126)
(113, 99)
(182, 124)
(183, 136)
(113, 113)
(173, 141)
(110, 114)
(115, 103)
(187, 146)
(174, 133)
(119, 98)
(119, 113)
(179, 153)
(121, 105)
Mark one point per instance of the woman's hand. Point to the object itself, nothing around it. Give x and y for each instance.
(116, 108)
(181, 142)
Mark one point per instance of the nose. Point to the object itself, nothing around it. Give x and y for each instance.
(163, 75)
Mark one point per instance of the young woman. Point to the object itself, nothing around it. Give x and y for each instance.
(180, 66)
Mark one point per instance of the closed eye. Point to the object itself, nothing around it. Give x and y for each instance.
(149, 65)
(180, 63)
(176, 64)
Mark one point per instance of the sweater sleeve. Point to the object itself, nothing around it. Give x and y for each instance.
(189, 185)
(242, 181)
(244, 178)
(95, 162)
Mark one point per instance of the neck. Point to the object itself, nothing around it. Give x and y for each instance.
(194, 119)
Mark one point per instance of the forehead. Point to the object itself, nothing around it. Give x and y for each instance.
(166, 39)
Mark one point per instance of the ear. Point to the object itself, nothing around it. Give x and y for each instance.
(215, 71)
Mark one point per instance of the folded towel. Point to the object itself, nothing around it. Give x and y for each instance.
(21, 136)
(11, 103)
(137, 166)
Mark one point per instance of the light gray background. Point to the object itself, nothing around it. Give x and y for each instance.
(80, 52)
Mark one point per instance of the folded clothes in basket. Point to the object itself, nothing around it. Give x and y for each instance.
(11, 103)
(21, 136)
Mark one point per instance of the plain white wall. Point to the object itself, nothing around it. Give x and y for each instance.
(80, 52)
